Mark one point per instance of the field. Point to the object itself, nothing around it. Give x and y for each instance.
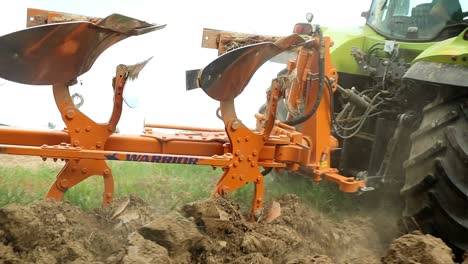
(161, 215)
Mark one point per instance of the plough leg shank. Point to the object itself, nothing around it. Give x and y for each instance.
(76, 171)
(87, 134)
(245, 146)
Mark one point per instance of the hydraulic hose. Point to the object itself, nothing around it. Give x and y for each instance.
(321, 62)
(332, 104)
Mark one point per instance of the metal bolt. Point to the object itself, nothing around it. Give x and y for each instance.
(106, 172)
(70, 114)
(63, 183)
(98, 144)
(84, 170)
(235, 125)
(77, 130)
(225, 189)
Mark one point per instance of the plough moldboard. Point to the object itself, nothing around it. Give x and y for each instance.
(57, 53)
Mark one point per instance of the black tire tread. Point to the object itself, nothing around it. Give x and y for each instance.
(441, 207)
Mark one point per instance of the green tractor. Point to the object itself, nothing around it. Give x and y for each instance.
(410, 64)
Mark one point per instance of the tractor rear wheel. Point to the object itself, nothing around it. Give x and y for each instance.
(436, 184)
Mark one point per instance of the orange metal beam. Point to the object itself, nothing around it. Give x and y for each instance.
(172, 145)
(37, 17)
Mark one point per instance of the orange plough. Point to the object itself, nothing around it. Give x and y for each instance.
(68, 49)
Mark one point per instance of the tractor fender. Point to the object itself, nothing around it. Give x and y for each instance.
(439, 73)
(445, 62)
(451, 51)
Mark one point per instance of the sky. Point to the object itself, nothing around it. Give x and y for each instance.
(175, 49)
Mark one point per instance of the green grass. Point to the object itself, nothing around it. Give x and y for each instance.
(165, 186)
(23, 185)
(162, 185)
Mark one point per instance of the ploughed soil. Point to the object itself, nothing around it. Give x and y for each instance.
(206, 231)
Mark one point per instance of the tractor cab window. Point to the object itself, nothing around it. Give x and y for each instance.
(415, 19)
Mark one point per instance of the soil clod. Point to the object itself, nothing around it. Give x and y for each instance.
(206, 231)
(418, 248)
